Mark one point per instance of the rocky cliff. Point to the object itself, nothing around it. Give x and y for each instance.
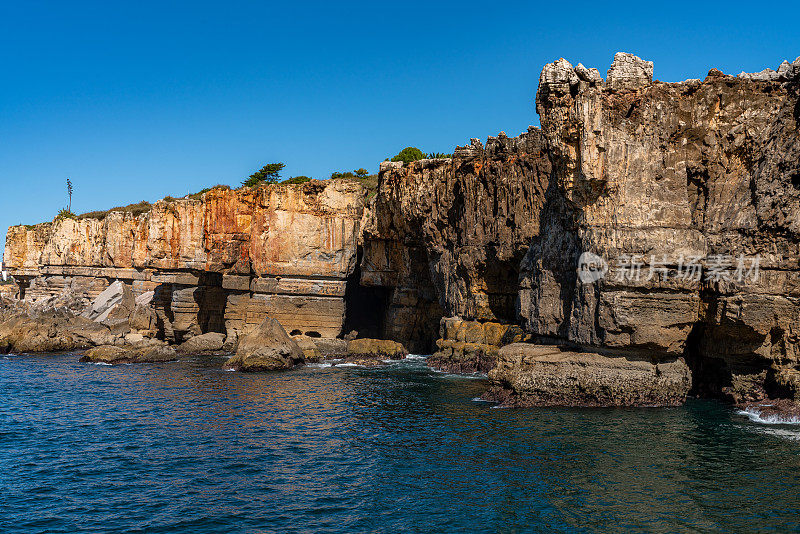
(687, 193)
(221, 263)
(648, 230)
(446, 236)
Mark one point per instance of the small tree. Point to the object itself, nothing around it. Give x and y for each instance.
(362, 172)
(69, 192)
(268, 174)
(409, 154)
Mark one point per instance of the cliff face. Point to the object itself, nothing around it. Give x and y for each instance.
(653, 225)
(223, 262)
(657, 177)
(447, 236)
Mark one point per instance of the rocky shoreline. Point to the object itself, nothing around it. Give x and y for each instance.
(643, 245)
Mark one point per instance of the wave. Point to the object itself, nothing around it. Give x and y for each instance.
(320, 365)
(756, 416)
(104, 364)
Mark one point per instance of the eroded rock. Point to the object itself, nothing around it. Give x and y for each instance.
(541, 375)
(371, 352)
(267, 348)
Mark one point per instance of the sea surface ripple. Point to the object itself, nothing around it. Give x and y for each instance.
(187, 447)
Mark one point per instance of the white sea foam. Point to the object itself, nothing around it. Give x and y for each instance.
(320, 365)
(775, 419)
(104, 364)
(348, 365)
(478, 399)
(416, 357)
(794, 435)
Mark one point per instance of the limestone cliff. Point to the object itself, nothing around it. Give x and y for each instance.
(657, 175)
(655, 225)
(446, 236)
(215, 264)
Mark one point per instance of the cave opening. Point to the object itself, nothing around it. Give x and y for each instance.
(365, 306)
(502, 285)
(211, 301)
(795, 179)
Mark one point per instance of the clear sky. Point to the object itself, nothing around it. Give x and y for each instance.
(138, 100)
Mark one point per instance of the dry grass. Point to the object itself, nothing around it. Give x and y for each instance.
(134, 209)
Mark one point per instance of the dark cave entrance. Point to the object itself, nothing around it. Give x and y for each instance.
(211, 300)
(502, 285)
(365, 306)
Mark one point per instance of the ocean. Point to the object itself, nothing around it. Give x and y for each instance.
(188, 447)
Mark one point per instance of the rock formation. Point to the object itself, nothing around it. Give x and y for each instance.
(445, 237)
(647, 228)
(654, 177)
(219, 264)
(266, 348)
(544, 375)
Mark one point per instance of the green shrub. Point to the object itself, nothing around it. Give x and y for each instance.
(268, 174)
(438, 155)
(65, 213)
(297, 180)
(409, 154)
(340, 175)
(361, 173)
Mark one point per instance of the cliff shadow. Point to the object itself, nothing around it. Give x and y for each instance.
(211, 300)
(365, 306)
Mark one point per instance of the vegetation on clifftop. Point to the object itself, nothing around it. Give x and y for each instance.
(412, 153)
(268, 174)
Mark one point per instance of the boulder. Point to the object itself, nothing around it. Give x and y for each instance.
(267, 348)
(545, 375)
(108, 354)
(209, 343)
(55, 330)
(104, 302)
(310, 351)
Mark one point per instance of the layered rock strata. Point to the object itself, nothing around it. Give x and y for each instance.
(545, 375)
(646, 224)
(679, 190)
(219, 264)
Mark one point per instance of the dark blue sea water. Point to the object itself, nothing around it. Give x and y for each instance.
(186, 447)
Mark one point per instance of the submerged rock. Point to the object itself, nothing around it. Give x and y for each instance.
(544, 375)
(267, 348)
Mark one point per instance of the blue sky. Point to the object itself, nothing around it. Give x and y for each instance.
(138, 100)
